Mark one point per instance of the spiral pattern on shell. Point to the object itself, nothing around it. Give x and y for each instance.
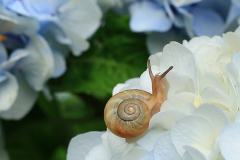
(127, 114)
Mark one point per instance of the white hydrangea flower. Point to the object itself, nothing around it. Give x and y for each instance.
(200, 120)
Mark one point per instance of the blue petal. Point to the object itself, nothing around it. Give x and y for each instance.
(147, 16)
(59, 64)
(221, 7)
(207, 22)
(24, 102)
(8, 92)
(38, 65)
(233, 13)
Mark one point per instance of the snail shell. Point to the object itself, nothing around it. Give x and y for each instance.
(128, 113)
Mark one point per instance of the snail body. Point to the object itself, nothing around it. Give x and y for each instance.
(127, 113)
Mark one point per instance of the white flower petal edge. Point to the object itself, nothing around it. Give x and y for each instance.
(229, 141)
(8, 92)
(25, 99)
(80, 145)
(38, 65)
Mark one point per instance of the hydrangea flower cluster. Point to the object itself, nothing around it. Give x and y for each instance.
(200, 118)
(35, 38)
(198, 17)
(167, 20)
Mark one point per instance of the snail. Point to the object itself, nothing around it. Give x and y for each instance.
(127, 113)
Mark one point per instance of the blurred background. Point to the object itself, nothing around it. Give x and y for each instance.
(79, 96)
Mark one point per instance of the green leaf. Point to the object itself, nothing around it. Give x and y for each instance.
(72, 106)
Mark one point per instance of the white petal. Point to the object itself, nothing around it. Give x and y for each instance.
(116, 144)
(135, 153)
(174, 102)
(148, 156)
(98, 152)
(196, 42)
(229, 142)
(210, 80)
(8, 92)
(80, 145)
(177, 82)
(195, 153)
(216, 96)
(164, 148)
(25, 100)
(159, 123)
(195, 131)
(232, 40)
(132, 83)
(176, 55)
(192, 73)
(213, 114)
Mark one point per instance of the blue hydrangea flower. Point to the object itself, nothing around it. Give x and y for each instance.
(64, 24)
(198, 17)
(71, 22)
(24, 71)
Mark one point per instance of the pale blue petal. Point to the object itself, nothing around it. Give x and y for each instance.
(79, 20)
(2, 77)
(147, 16)
(24, 102)
(207, 22)
(78, 44)
(83, 16)
(80, 146)
(13, 60)
(8, 92)
(11, 22)
(3, 53)
(59, 64)
(55, 36)
(38, 65)
(179, 3)
(37, 8)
